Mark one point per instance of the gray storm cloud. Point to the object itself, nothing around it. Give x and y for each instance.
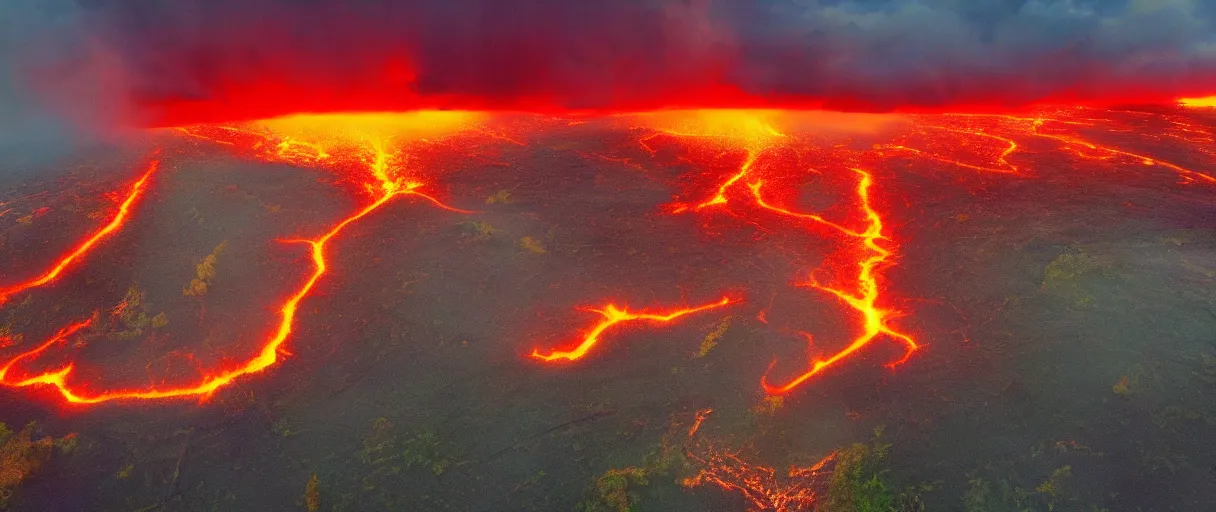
(114, 61)
(948, 51)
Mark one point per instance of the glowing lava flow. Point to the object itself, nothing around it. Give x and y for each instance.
(863, 299)
(1002, 165)
(614, 315)
(758, 136)
(1005, 127)
(47, 378)
(384, 187)
(751, 131)
(1145, 160)
(1205, 102)
(358, 148)
(720, 197)
(84, 247)
(755, 188)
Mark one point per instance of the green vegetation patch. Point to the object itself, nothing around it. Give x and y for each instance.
(1067, 275)
(860, 482)
(133, 316)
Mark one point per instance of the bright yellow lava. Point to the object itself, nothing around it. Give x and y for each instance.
(359, 127)
(744, 127)
(1206, 102)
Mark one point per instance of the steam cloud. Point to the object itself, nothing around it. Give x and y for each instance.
(142, 62)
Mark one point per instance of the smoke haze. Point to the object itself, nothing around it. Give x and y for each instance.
(135, 62)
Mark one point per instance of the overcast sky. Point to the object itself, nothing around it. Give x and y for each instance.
(102, 62)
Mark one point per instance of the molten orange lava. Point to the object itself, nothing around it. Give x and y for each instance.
(83, 248)
(275, 140)
(955, 131)
(46, 378)
(874, 319)
(363, 149)
(1001, 164)
(614, 315)
(1109, 152)
(750, 130)
(756, 136)
(1205, 102)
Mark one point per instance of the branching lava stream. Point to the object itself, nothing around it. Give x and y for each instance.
(366, 149)
(383, 181)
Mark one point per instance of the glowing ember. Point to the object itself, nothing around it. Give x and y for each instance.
(614, 315)
(798, 489)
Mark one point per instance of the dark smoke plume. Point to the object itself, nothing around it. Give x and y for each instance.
(140, 62)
